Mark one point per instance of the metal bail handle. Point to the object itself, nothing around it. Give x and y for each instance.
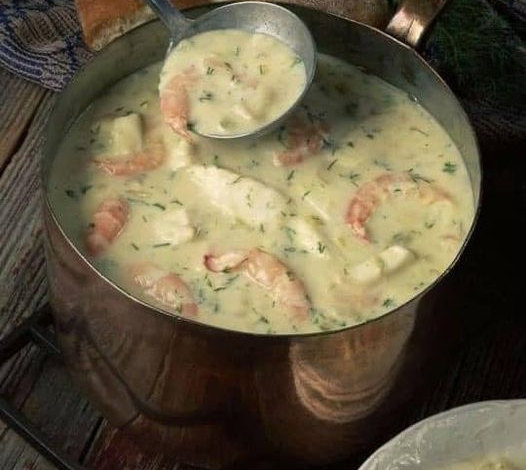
(413, 19)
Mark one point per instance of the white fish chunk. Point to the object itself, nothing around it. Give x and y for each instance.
(180, 152)
(126, 135)
(172, 226)
(237, 196)
(395, 257)
(386, 262)
(308, 237)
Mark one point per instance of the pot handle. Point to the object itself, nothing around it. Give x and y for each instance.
(413, 19)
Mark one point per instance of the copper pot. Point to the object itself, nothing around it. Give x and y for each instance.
(214, 397)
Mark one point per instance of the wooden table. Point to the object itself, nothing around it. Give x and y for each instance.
(490, 364)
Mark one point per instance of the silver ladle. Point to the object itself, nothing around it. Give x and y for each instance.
(253, 17)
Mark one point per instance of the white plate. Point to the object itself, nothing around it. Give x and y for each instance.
(475, 431)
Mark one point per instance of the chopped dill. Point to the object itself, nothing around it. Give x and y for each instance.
(450, 168)
(206, 96)
(331, 164)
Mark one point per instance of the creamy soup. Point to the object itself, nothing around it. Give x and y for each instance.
(229, 82)
(495, 463)
(355, 205)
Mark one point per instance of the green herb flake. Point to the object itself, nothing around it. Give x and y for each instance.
(160, 245)
(206, 96)
(210, 71)
(86, 188)
(261, 69)
(159, 206)
(282, 132)
(350, 143)
(388, 303)
(290, 232)
(321, 247)
(417, 177)
(352, 176)
(329, 144)
(70, 193)
(237, 180)
(176, 201)
(238, 50)
(305, 194)
(228, 65)
(144, 219)
(135, 247)
(261, 228)
(449, 167)
(290, 175)
(289, 249)
(331, 164)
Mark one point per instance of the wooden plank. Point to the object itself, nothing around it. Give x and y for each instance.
(55, 406)
(19, 101)
(22, 275)
(111, 449)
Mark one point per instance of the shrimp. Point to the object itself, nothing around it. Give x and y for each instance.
(149, 158)
(108, 222)
(371, 194)
(165, 287)
(175, 102)
(268, 272)
(302, 140)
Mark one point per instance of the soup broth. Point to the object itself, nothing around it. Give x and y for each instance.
(349, 210)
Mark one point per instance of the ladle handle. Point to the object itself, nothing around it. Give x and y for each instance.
(170, 15)
(413, 19)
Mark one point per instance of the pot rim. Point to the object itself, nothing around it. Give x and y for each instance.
(205, 327)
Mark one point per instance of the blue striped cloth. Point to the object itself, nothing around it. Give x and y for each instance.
(41, 40)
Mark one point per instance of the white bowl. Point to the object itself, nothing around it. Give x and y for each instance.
(472, 432)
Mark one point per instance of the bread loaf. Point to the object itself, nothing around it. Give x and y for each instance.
(104, 20)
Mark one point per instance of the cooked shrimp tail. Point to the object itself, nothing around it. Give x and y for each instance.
(165, 287)
(268, 272)
(108, 222)
(373, 193)
(175, 102)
